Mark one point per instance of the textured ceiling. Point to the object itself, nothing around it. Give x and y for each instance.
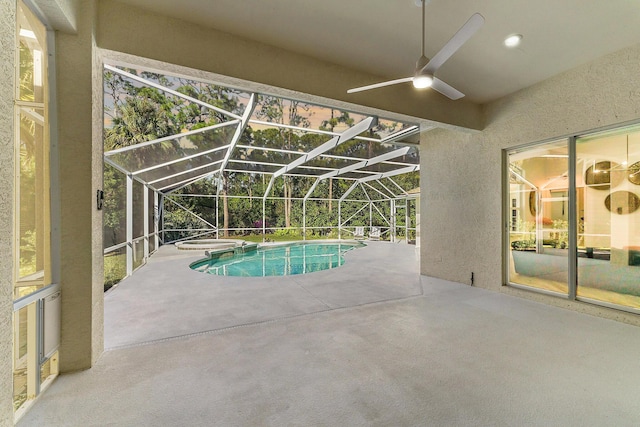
(382, 37)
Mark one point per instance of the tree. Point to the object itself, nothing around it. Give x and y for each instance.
(136, 113)
(342, 118)
(288, 112)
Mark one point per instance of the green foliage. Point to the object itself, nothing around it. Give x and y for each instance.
(27, 253)
(135, 113)
(257, 238)
(560, 238)
(293, 233)
(342, 117)
(522, 245)
(26, 73)
(176, 218)
(115, 268)
(114, 207)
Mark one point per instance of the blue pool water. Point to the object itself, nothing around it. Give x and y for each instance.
(297, 258)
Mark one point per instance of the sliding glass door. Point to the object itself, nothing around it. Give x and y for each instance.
(608, 207)
(573, 217)
(539, 217)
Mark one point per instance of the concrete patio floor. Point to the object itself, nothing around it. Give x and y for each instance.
(165, 298)
(373, 345)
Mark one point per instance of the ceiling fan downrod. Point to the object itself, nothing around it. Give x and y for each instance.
(421, 79)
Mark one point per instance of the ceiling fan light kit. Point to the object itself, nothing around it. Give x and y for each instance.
(424, 76)
(422, 81)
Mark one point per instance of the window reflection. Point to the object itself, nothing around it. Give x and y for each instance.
(539, 217)
(608, 217)
(607, 223)
(32, 158)
(31, 189)
(31, 211)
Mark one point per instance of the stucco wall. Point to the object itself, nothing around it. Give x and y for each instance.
(60, 14)
(80, 177)
(7, 77)
(97, 162)
(462, 172)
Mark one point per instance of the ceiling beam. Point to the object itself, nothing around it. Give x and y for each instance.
(396, 184)
(186, 182)
(169, 138)
(365, 163)
(348, 134)
(401, 134)
(310, 130)
(186, 171)
(346, 193)
(311, 190)
(170, 91)
(387, 188)
(251, 105)
(391, 173)
(386, 196)
(178, 160)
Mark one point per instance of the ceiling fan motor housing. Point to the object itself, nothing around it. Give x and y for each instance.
(421, 62)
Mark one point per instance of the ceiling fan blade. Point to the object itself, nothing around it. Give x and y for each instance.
(464, 33)
(377, 85)
(445, 89)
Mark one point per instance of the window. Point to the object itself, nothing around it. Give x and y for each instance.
(35, 360)
(608, 216)
(32, 159)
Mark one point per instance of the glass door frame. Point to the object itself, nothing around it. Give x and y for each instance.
(572, 217)
(507, 219)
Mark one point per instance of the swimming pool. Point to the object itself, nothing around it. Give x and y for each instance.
(290, 259)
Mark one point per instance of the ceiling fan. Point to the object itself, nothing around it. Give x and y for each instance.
(426, 69)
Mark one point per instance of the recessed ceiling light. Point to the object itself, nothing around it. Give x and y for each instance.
(513, 40)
